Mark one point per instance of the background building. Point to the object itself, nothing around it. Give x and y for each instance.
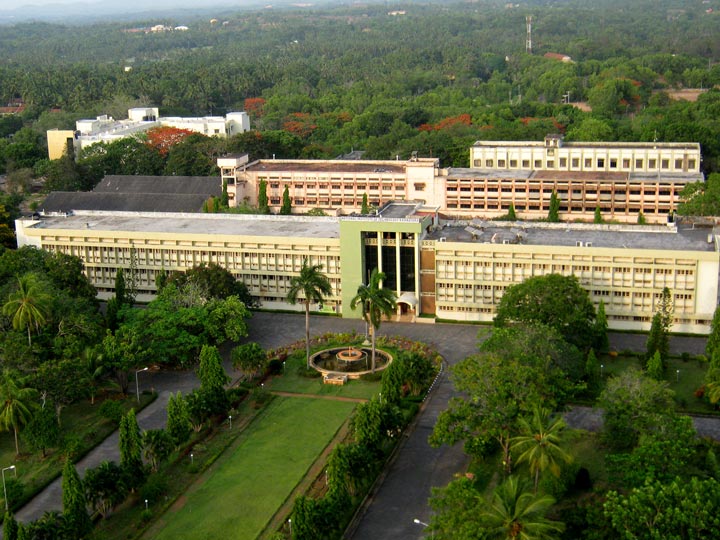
(106, 129)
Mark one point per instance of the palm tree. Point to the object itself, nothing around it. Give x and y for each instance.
(540, 443)
(313, 286)
(515, 513)
(15, 406)
(28, 305)
(376, 303)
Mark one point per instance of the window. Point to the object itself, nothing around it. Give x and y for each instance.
(601, 163)
(563, 162)
(626, 163)
(489, 163)
(613, 163)
(526, 163)
(638, 163)
(501, 162)
(652, 163)
(678, 163)
(575, 162)
(538, 163)
(588, 163)
(477, 163)
(551, 164)
(419, 187)
(665, 164)
(691, 163)
(513, 163)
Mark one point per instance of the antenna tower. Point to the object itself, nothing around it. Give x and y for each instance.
(528, 40)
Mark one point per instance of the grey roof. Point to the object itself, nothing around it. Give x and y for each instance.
(219, 225)
(205, 185)
(139, 194)
(630, 237)
(66, 201)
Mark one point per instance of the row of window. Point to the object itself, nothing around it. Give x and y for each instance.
(599, 163)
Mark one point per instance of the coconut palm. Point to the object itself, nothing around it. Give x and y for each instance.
(16, 404)
(312, 286)
(376, 303)
(28, 305)
(516, 513)
(540, 443)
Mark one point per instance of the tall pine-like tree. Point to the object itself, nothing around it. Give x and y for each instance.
(178, 418)
(130, 445)
(365, 208)
(11, 529)
(554, 210)
(286, 208)
(213, 379)
(601, 328)
(263, 207)
(75, 511)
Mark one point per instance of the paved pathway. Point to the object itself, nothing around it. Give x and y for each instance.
(402, 495)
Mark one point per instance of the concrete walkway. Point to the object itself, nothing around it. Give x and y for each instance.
(403, 494)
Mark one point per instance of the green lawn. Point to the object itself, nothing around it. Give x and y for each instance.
(242, 493)
(290, 381)
(684, 383)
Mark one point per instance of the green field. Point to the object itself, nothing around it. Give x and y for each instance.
(236, 498)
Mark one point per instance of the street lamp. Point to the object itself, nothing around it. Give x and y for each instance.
(137, 384)
(11, 467)
(290, 525)
(192, 459)
(230, 419)
(602, 367)
(418, 522)
(677, 375)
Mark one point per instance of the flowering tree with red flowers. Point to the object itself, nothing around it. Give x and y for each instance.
(163, 138)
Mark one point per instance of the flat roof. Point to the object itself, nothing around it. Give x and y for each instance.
(326, 166)
(201, 224)
(658, 237)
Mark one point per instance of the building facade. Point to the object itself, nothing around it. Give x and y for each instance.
(622, 180)
(446, 269)
(105, 128)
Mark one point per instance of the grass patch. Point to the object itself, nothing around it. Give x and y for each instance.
(246, 488)
(684, 384)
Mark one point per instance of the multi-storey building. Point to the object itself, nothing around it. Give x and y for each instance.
(555, 154)
(622, 180)
(451, 270)
(105, 128)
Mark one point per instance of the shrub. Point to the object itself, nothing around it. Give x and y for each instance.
(372, 377)
(274, 366)
(236, 395)
(308, 372)
(15, 489)
(112, 410)
(155, 487)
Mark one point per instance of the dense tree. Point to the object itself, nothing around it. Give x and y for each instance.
(157, 445)
(105, 487)
(10, 527)
(554, 300)
(42, 431)
(249, 358)
(634, 404)
(601, 328)
(680, 509)
(310, 286)
(497, 392)
(263, 207)
(376, 303)
(713, 340)
(286, 208)
(74, 500)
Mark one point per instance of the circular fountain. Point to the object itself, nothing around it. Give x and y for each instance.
(349, 362)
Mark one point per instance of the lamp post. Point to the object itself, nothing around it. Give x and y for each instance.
(677, 375)
(602, 367)
(11, 467)
(290, 525)
(137, 384)
(230, 419)
(418, 522)
(192, 459)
